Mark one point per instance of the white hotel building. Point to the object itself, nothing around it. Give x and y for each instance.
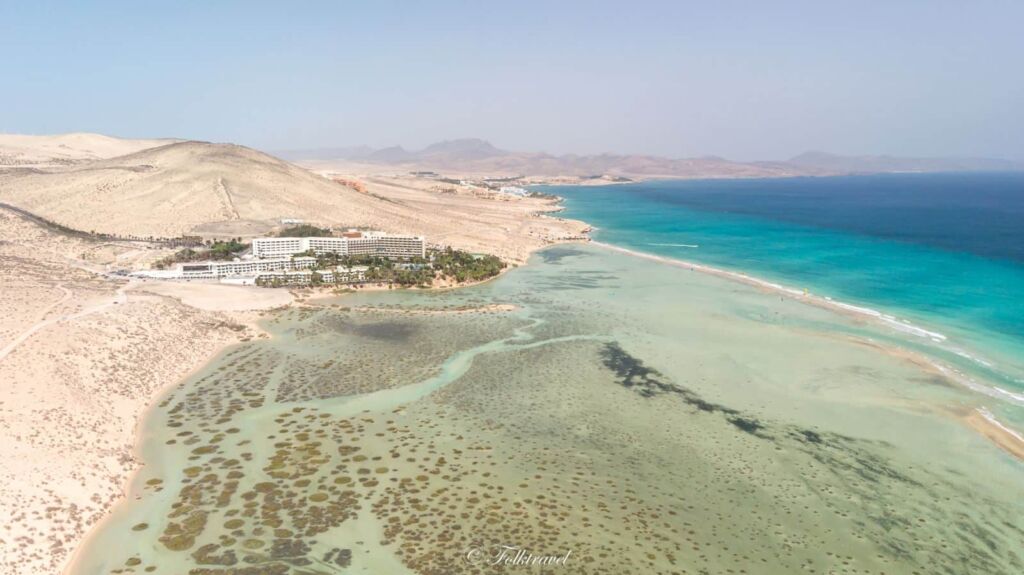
(275, 257)
(355, 274)
(212, 270)
(351, 244)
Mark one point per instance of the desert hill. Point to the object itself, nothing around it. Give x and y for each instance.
(201, 188)
(178, 188)
(18, 150)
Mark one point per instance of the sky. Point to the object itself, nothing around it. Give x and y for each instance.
(742, 80)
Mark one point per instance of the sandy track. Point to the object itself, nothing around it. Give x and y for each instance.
(119, 297)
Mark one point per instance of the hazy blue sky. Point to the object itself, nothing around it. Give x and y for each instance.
(746, 80)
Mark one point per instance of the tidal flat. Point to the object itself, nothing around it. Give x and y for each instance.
(647, 418)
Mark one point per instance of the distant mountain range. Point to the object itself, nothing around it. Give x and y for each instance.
(878, 164)
(471, 155)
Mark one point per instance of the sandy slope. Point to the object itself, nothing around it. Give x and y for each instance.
(81, 356)
(222, 189)
(65, 149)
(169, 190)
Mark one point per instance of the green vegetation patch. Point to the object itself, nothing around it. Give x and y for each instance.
(304, 231)
(212, 251)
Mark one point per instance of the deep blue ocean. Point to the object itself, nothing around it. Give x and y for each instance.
(943, 251)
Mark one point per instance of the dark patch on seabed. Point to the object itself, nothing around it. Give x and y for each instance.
(648, 382)
(556, 255)
(389, 330)
(580, 280)
(838, 451)
(869, 475)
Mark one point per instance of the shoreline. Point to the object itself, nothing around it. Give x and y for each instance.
(71, 564)
(986, 424)
(978, 420)
(217, 298)
(247, 317)
(982, 423)
(489, 308)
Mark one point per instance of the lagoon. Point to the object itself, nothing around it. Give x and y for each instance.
(643, 416)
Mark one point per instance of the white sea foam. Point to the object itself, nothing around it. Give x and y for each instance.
(889, 320)
(825, 301)
(992, 419)
(970, 383)
(1017, 397)
(973, 358)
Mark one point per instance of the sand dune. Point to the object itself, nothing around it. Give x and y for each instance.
(18, 150)
(172, 189)
(222, 189)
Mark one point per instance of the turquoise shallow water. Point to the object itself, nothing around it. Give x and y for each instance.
(943, 252)
(642, 416)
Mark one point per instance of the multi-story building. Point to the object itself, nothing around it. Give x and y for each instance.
(328, 245)
(387, 246)
(340, 275)
(351, 243)
(279, 255)
(278, 247)
(210, 270)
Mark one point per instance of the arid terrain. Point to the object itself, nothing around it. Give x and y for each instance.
(213, 190)
(81, 356)
(83, 352)
(24, 151)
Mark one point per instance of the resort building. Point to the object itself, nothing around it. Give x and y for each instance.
(212, 270)
(340, 275)
(278, 247)
(276, 260)
(352, 243)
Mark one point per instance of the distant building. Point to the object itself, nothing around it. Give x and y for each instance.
(352, 243)
(278, 247)
(339, 275)
(514, 191)
(213, 270)
(276, 258)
